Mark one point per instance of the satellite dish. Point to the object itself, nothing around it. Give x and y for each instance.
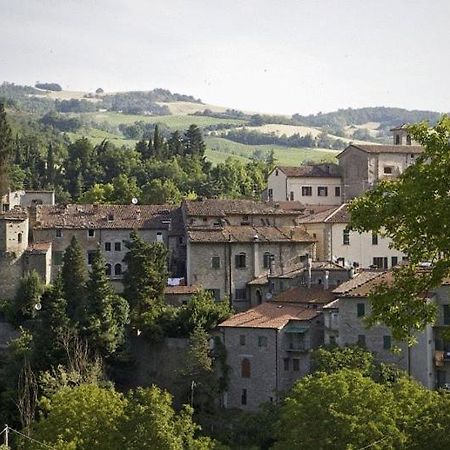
(134, 200)
(37, 306)
(268, 296)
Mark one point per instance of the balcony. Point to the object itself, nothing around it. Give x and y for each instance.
(296, 347)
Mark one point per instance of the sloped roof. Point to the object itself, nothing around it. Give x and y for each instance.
(374, 148)
(39, 247)
(17, 214)
(270, 315)
(308, 171)
(108, 217)
(362, 284)
(249, 233)
(303, 294)
(222, 207)
(336, 214)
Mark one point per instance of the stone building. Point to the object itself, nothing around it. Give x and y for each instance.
(27, 199)
(335, 242)
(109, 227)
(231, 242)
(268, 349)
(318, 184)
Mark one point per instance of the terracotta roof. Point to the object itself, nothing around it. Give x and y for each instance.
(270, 315)
(332, 305)
(310, 171)
(248, 233)
(17, 213)
(108, 217)
(362, 284)
(224, 207)
(303, 294)
(337, 214)
(181, 290)
(39, 247)
(374, 148)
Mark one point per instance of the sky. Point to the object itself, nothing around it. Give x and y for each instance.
(273, 56)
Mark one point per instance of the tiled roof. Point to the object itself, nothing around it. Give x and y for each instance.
(181, 290)
(270, 315)
(337, 214)
(399, 149)
(303, 294)
(248, 233)
(362, 284)
(332, 305)
(108, 217)
(39, 247)
(310, 171)
(17, 213)
(224, 207)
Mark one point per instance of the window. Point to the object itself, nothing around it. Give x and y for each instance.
(215, 294)
(57, 258)
(159, 236)
(262, 341)
(380, 262)
(337, 191)
(19, 238)
(266, 260)
(374, 239)
(107, 246)
(295, 364)
(242, 339)
(306, 191)
(362, 340)
(91, 233)
(322, 191)
(240, 294)
(245, 368)
(387, 342)
(446, 310)
(215, 262)
(110, 217)
(244, 397)
(332, 340)
(291, 196)
(240, 261)
(346, 237)
(360, 310)
(118, 269)
(58, 233)
(397, 139)
(270, 194)
(108, 269)
(388, 170)
(408, 139)
(90, 257)
(117, 246)
(276, 172)
(286, 363)
(394, 261)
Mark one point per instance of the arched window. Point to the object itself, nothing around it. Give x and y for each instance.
(118, 269)
(108, 269)
(245, 368)
(19, 238)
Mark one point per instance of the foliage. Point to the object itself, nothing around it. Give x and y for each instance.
(339, 411)
(105, 313)
(49, 86)
(414, 212)
(5, 151)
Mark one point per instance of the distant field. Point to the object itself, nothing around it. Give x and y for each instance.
(96, 136)
(181, 122)
(185, 108)
(289, 156)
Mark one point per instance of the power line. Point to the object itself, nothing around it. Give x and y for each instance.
(7, 428)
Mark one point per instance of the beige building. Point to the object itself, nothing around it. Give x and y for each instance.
(27, 199)
(318, 184)
(335, 242)
(232, 242)
(268, 349)
(109, 227)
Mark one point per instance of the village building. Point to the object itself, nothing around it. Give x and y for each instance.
(268, 349)
(232, 242)
(27, 199)
(108, 227)
(349, 248)
(318, 184)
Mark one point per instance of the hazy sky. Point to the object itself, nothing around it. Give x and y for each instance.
(261, 55)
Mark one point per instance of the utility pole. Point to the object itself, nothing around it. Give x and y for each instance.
(6, 436)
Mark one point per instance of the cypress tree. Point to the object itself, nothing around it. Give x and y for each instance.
(194, 144)
(106, 313)
(158, 143)
(74, 274)
(5, 152)
(50, 172)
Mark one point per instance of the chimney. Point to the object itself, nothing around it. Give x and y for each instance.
(138, 214)
(326, 282)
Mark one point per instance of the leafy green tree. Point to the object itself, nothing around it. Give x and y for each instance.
(87, 417)
(145, 278)
(413, 211)
(106, 313)
(125, 189)
(6, 144)
(175, 144)
(74, 275)
(28, 296)
(159, 192)
(336, 411)
(98, 193)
